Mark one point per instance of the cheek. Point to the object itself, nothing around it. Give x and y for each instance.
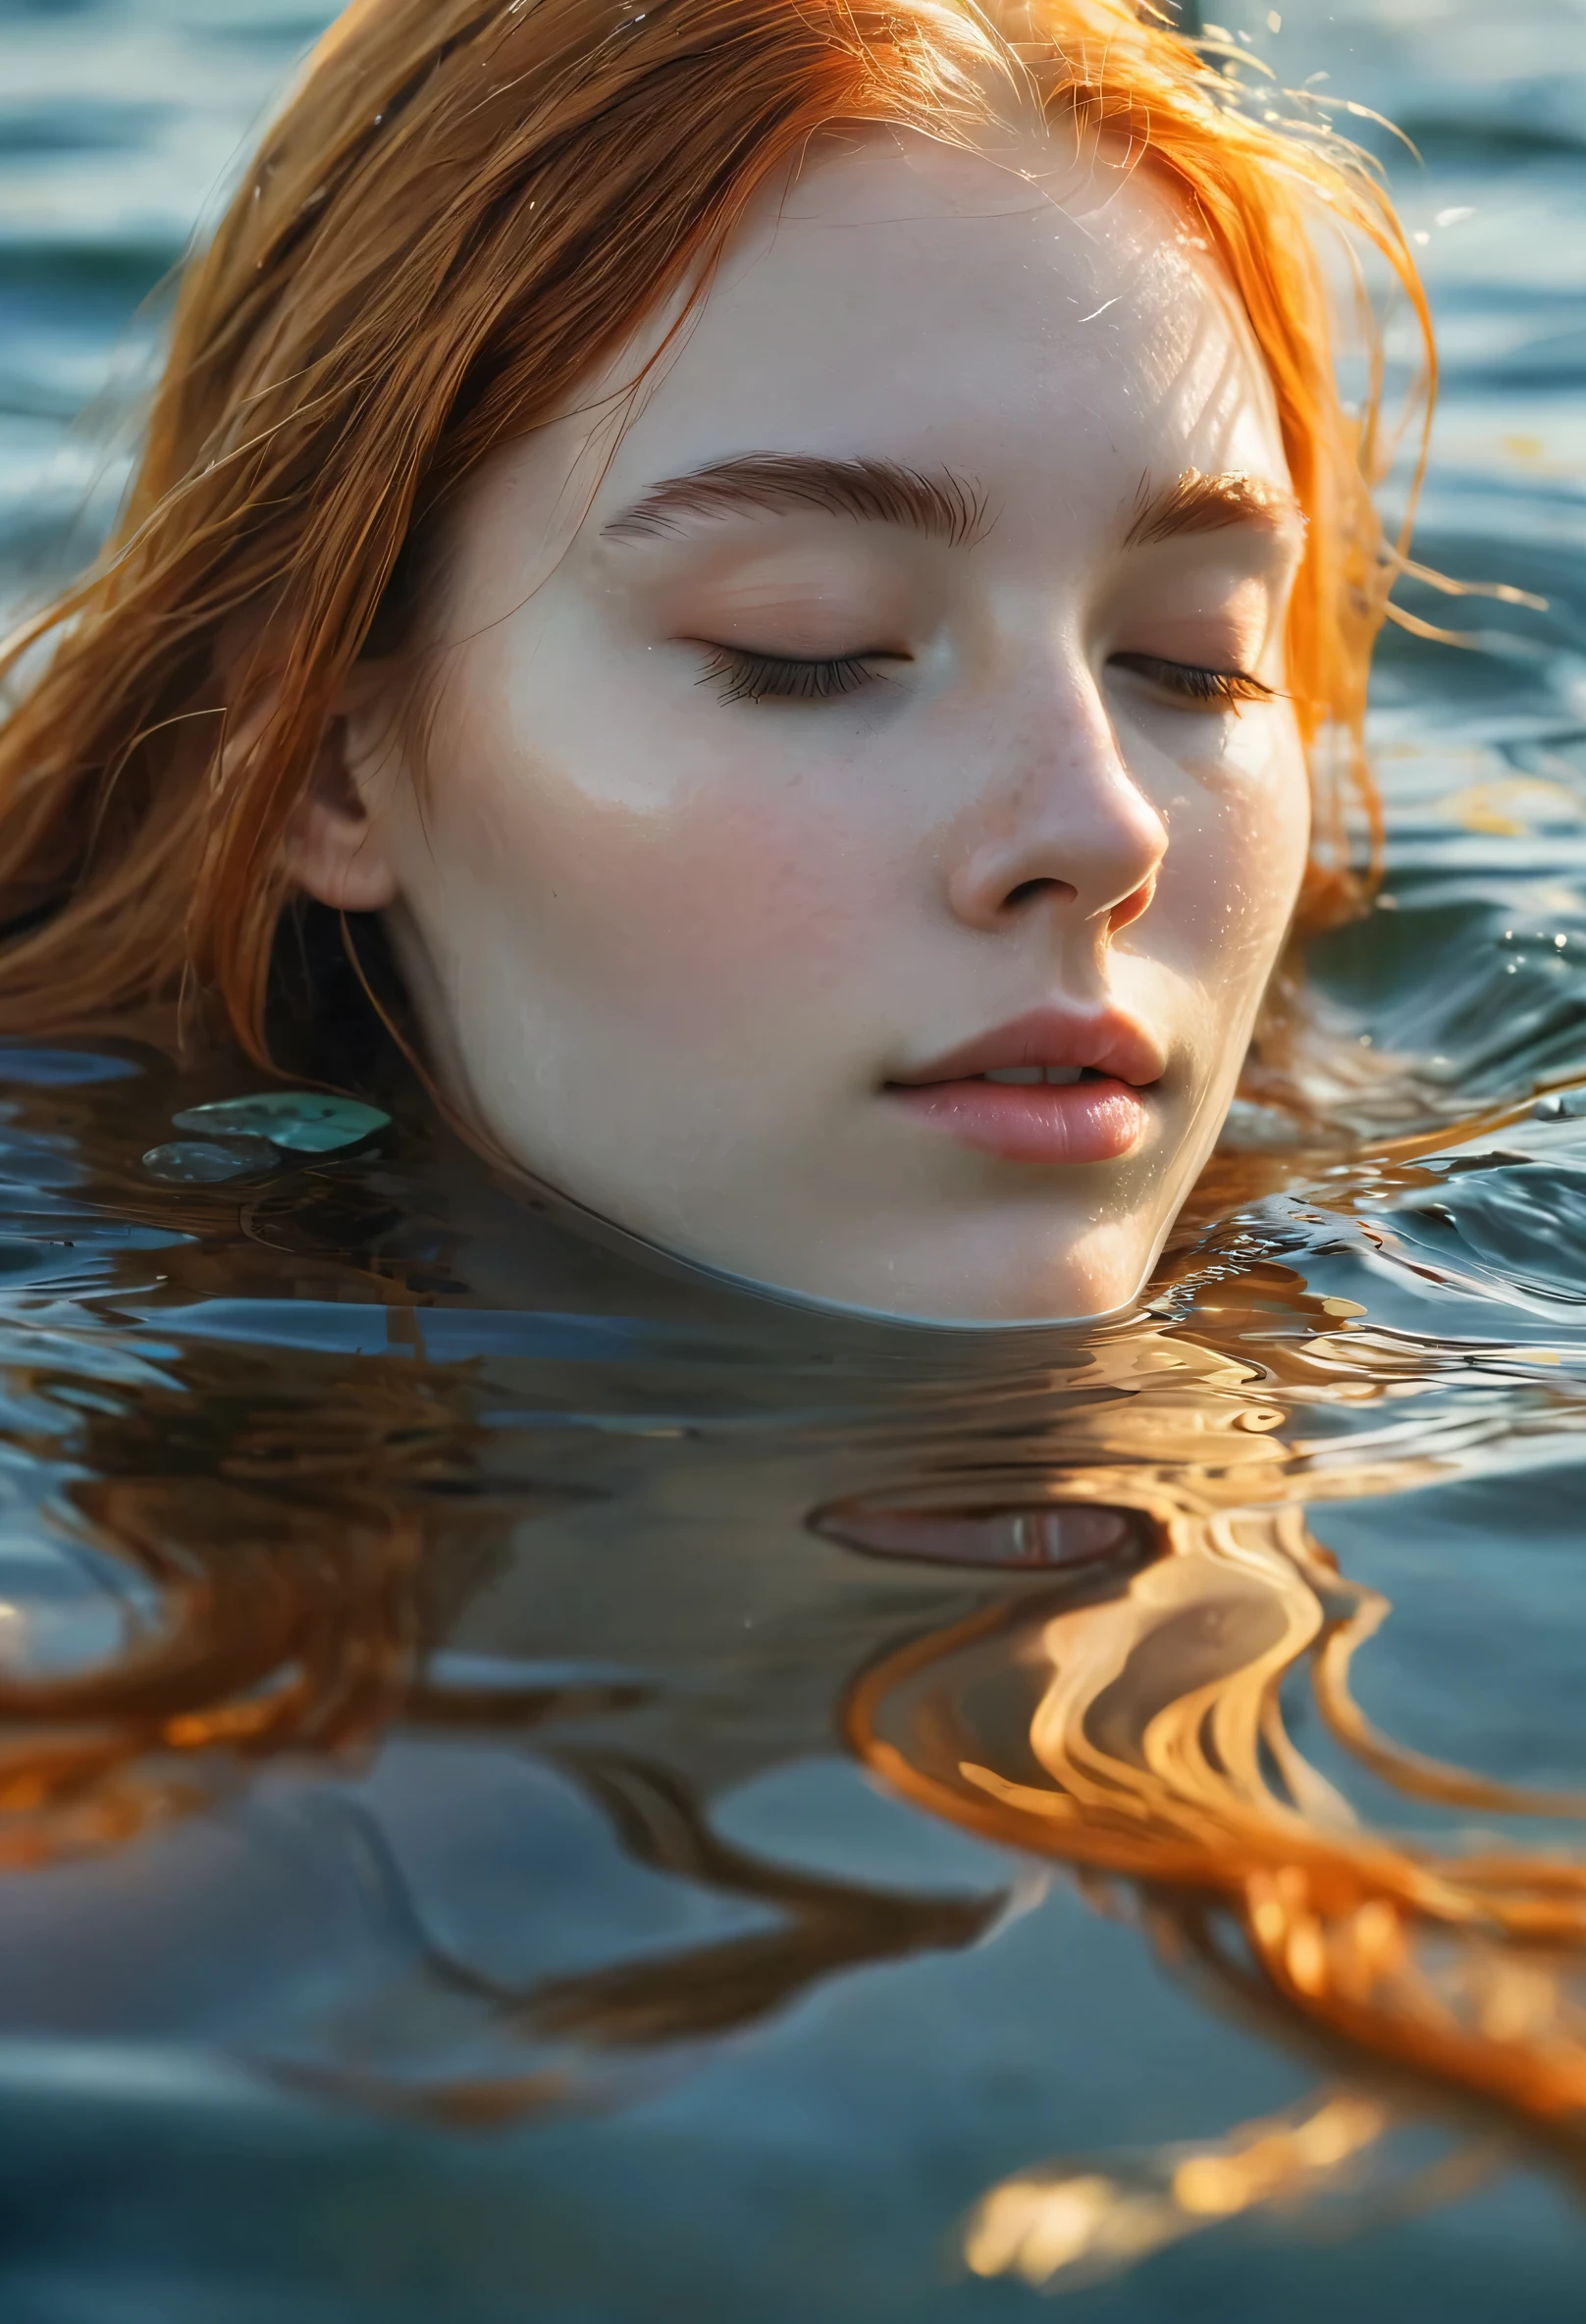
(729, 905)
(687, 903)
(1238, 833)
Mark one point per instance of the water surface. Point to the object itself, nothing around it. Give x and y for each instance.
(533, 1786)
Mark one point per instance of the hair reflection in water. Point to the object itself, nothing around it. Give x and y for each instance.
(1119, 1708)
(1149, 1746)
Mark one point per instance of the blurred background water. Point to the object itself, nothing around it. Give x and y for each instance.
(322, 2032)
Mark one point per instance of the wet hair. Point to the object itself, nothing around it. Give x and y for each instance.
(464, 207)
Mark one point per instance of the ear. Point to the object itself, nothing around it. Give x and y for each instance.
(335, 846)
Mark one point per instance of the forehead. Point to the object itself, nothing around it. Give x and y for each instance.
(1028, 318)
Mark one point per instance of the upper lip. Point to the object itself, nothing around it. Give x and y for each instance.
(1104, 1041)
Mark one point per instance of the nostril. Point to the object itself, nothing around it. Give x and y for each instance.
(1131, 906)
(1027, 889)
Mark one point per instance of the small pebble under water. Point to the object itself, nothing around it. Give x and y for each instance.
(210, 1161)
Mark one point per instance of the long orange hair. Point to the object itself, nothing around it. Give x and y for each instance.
(462, 208)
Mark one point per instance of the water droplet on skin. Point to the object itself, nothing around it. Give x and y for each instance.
(303, 1120)
(210, 1161)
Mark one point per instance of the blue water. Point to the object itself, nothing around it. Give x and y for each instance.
(587, 1977)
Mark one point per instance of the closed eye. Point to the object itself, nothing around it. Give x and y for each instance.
(1193, 683)
(779, 677)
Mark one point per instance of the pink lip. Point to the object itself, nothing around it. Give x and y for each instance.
(1097, 1120)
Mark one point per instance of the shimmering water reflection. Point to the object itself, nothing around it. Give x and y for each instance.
(534, 1787)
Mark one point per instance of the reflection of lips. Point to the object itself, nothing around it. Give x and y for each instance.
(1052, 1086)
(1039, 1533)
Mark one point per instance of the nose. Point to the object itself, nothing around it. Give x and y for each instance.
(1064, 833)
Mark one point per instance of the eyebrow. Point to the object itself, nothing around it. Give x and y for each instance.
(1198, 504)
(939, 505)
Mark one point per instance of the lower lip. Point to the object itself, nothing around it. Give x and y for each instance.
(1032, 1121)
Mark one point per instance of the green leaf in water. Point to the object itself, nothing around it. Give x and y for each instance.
(303, 1121)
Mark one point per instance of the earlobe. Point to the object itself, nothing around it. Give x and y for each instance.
(334, 848)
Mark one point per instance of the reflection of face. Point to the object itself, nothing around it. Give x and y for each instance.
(753, 817)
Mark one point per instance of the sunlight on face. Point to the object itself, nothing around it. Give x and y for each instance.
(853, 813)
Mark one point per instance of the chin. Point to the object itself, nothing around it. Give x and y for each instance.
(1100, 1277)
(1084, 1275)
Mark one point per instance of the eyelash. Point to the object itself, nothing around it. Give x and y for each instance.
(776, 677)
(1228, 688)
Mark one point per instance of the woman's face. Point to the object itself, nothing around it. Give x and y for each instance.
(851, 811)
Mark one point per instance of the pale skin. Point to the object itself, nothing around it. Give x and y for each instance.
(729, 805)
